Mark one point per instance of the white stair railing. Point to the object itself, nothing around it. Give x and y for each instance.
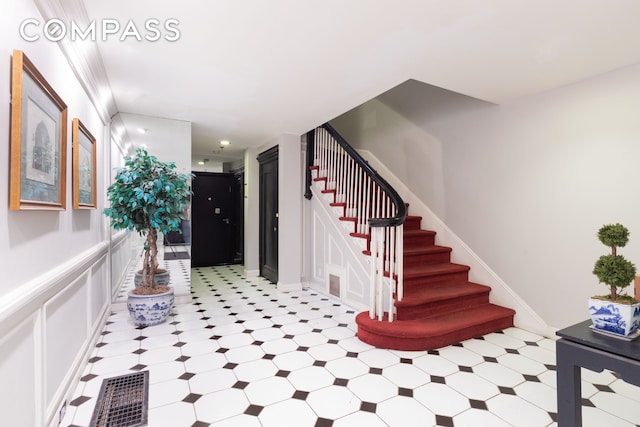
(376, 209)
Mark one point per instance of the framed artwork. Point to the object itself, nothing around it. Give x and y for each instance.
(84, 167)
(38, 140)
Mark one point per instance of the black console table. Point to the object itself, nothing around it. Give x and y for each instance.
(578, 347)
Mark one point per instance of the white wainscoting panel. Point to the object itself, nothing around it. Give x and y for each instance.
(65, 330)
(19, 398)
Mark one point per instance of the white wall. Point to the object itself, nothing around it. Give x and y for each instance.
(526, 185)
(54, 292)
(290, 212)
(251, 213)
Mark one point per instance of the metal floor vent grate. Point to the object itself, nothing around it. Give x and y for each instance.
(123, 401)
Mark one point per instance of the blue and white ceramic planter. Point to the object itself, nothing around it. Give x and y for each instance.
(148, 310)
(161, 278)
(620, 319)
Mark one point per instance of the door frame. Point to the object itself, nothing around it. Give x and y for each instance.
(267, 271)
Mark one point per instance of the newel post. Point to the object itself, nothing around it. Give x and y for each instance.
(310, 154)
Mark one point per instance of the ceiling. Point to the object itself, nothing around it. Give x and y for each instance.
(250, 70)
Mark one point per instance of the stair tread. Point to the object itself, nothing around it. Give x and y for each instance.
(418, 295)
(418, 233)
(442, 324)
(420, 270)
(418, 249)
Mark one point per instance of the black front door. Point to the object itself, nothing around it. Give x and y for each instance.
(213, 214)
(269, 214)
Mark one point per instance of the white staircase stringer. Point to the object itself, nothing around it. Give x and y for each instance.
(340, 251)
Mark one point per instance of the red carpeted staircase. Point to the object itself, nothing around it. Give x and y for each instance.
(440, 305)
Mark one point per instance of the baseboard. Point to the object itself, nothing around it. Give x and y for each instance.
(289, 287)
(251, 273)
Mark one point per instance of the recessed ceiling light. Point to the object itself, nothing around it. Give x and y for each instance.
(224, 142)
(201, 162)
(143, 130)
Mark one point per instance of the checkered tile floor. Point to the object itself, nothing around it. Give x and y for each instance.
(243, 354)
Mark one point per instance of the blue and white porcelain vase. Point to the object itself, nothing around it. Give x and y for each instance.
(614, 318)
(148, 310)
(161, 278)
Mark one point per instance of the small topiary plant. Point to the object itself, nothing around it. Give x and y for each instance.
(614, 270)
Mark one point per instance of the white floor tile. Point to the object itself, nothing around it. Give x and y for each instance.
(287, 412)
(197, 348)
(405, 412)
(205, 362)
(379, 358)
(406, 376)
(504, 340)
(483, 347)
(279, 346)
(539, 394)
(539, 354)
(499, 374)
(622, 406)
(220, 405)
(160, 355)
(435, 365)
(333, 402)
(118, 348)
(293, 360)
(244, 354)
(521, 364)
(472, 386)
(348, 367)
(478, 418)
(353, 344)
(327, 352)
(373, 388)
(167, 392)
(255, 370)
(269, 391)
(242, 420)
(517, 411)
(165, 371)
(235, 340)
(460, 356)
(116, 365)
(212, 381)
(628, 390)
(441, 399)
(311, 378)
(178, 414)
(360, 419)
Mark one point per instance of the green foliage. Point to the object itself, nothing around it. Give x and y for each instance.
(148, 196)
(614, 270)
(614, 235)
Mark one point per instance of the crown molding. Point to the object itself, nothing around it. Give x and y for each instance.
(83, 56)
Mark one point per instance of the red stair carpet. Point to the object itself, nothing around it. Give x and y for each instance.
(440, 305)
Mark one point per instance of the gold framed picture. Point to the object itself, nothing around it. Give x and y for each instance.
(38, 140)
(84, 166)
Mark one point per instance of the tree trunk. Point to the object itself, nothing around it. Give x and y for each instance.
(152, 239)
